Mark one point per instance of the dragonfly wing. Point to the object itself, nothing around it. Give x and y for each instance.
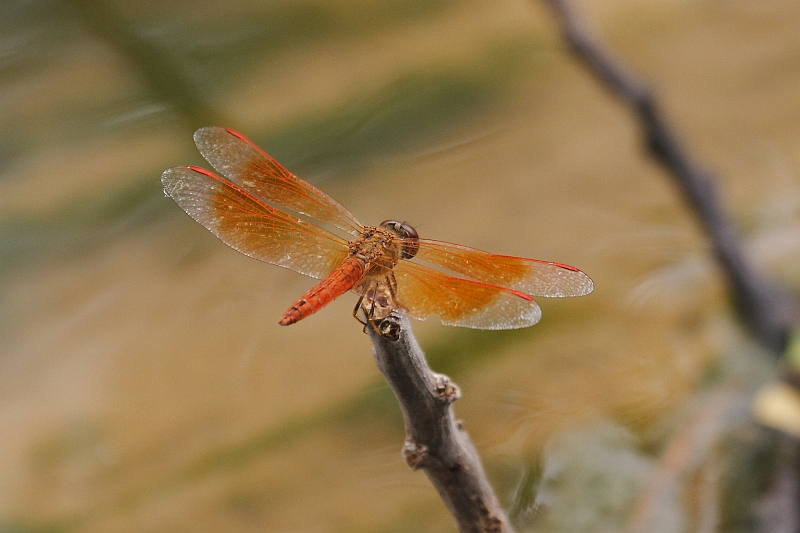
(423, 292)
(531, 276)
(246, 223)
(248, 166)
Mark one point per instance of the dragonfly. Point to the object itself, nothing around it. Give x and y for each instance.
(257, 207)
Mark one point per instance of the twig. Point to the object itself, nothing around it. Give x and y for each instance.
(769, 311)
(435, 441)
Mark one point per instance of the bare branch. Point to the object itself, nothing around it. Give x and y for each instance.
(435, 441)
(769, 311)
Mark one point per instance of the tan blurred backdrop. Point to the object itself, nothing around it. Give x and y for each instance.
(144, 382)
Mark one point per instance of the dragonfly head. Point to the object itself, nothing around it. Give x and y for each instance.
(406, 232)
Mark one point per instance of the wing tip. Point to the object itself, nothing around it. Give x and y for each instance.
(170, 180)
(201, 170)
(528, 316)
(201, 132)
(579, 284)
(585, 284)
(237, 134)
(589, 284)
(176, 178)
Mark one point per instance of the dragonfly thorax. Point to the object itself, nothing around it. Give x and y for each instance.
(379, 248)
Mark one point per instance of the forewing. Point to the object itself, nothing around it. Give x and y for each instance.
(531, 276)
(248, 166)
(248, 224)
(423, 292)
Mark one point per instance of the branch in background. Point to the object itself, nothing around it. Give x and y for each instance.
(435, 441)
(770, 312)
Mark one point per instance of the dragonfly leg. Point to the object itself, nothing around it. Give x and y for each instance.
(375, 306)
(384, 322)
(358, 308)
(389, 326)
(370, 314)
(367, 307)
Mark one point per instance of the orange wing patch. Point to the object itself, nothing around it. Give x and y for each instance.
(531, 276)
(423, 292)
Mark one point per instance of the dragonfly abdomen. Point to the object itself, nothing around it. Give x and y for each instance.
(338, 282)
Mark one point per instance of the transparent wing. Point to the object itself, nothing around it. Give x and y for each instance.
(531, 276)
(248, 224)
(423, 292)
(248, 166)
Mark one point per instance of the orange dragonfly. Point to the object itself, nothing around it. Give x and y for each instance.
(264, 211)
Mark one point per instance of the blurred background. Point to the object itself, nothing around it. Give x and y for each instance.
(144, 382)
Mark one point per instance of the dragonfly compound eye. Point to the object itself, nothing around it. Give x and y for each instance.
(407, 233)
